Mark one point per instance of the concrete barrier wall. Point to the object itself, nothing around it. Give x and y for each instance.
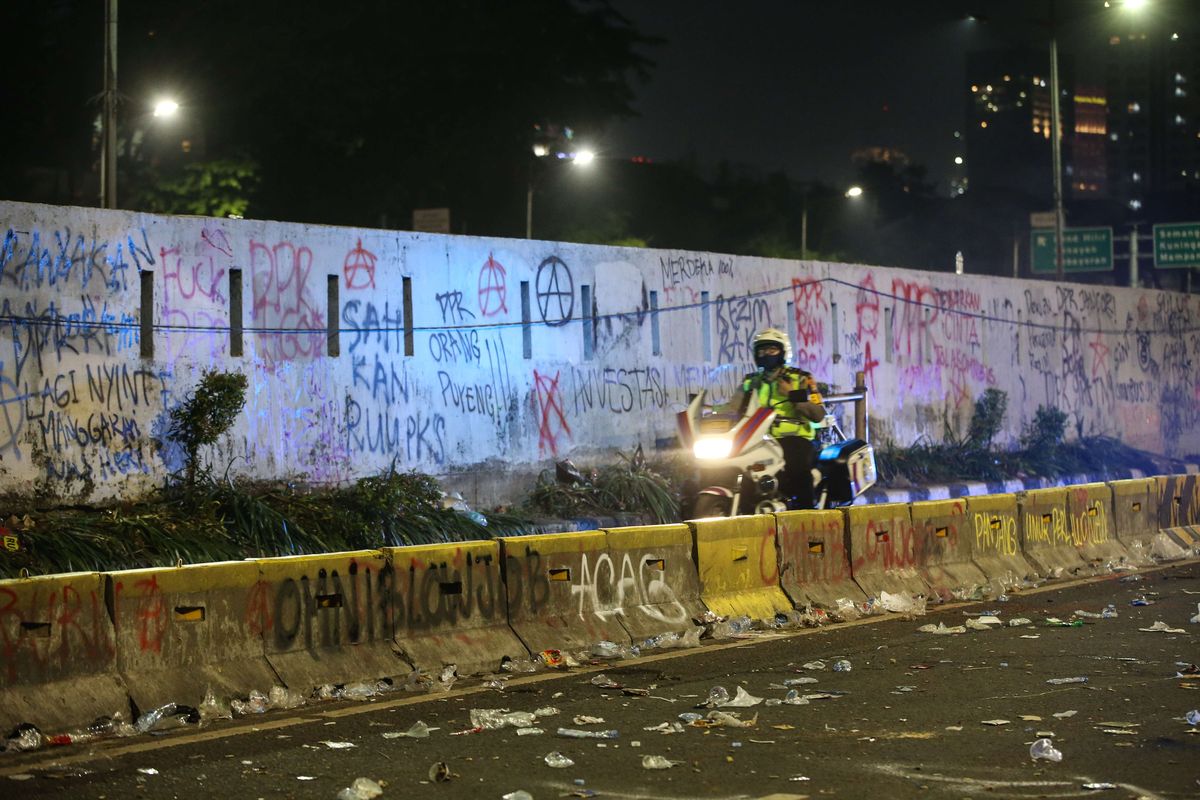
(328, 619)
(883, 550)
(995, 521)
(814, 561)
(453, 354)
(1135, 515)
(183, 631)
(738, 567)
(944, 546)
(1178, 501)
(1046, 534)
(655, 578)
(451, 607)
(562, 591)
(1090, 507)
(58, 663)
(79, 646)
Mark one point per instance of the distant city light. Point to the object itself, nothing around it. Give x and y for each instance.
(958, 159)
(854, 191)
(983, 124)
(584, 157)
(540, 150)
(165, 108)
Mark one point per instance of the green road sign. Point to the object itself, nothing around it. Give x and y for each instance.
(1084, 250)
(1177, 245)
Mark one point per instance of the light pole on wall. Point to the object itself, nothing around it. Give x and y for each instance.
(851, 193)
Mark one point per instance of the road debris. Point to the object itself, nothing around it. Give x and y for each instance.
(1044, 749)
(557, 760)
(361, 789)
(1162, 627)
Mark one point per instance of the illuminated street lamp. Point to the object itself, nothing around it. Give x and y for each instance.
(854, 191)
(166, 108)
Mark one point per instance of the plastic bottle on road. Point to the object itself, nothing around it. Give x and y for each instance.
(842, 665)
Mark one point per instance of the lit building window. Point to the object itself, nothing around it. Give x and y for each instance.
(974, 87)
(1134, 107)
(1114, 136)
(1179, 78)
(1022, 94)
(186, 145)
(1036, 80)
(1114, 40)
(1180, 91)
(989, 87)
(1174, 37)
(1137, 177)
(1042, 84)
(1178, 119)
(983, 124)
(1135, 204)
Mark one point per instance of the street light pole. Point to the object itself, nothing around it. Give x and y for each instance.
(804, 224)
(1056, 149)
(108, 151)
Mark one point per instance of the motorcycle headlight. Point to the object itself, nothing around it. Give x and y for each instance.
(712, 448)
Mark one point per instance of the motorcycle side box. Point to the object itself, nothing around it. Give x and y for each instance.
(849, 469)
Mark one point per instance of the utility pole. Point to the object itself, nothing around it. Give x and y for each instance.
(1056, 149)
(108, 124)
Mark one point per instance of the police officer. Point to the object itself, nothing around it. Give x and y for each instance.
(793, 394)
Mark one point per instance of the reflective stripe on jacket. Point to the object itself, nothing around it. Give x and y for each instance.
(770, 396)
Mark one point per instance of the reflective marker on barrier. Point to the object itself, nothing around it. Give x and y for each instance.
(741, 553)
(39, 629)
(560, 574)
(329, 601)
(816, 548)
(189, 613)
(1137, 507)
(941, 532)
(450, 587)
(659, 564)
(881, 536)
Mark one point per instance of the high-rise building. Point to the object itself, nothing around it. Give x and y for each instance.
(1008, 123)
(1153, 84)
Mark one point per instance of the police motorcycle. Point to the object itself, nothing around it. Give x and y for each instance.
(740, 461)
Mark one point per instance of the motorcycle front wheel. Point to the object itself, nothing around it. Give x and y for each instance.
(711, 505)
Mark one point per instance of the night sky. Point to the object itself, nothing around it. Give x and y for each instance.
(799, 85)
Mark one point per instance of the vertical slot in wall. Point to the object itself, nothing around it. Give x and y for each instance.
(235, 312)
(146, 313)
(333, 305)
(655, 340)
(406, 283)
(526, 326)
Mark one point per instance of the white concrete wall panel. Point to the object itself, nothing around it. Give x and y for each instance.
(83, 413)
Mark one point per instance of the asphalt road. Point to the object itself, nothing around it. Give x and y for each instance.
(909, 720)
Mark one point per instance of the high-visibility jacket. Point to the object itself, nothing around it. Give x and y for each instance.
(770, 396)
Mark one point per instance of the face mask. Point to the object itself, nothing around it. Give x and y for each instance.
(768, 362)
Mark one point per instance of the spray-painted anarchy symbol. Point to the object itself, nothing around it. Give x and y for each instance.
(493, 288)
(555, 292)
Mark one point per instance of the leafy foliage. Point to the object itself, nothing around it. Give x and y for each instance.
(988, 417)
(633, 486)
(207, 413)
(217, 188)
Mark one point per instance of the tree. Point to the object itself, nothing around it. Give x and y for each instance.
(217, 188)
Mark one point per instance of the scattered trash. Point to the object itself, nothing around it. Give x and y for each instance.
(553, 659)
(666, 728)
(732, 627)
(672, 640)
(657, 762)
(558, 760)
(604, 682)
(1044, 749)
(842, 665)
(520, 664)
(724, 719)
(1141, 601)
(439, 772)
(1192, 717)
(717, 696)
(148, 770)
(339, 745)
(493, 719)
(1017, 622)
(1065, 714)
(1061, 681)
(361, 789)
(519, 794)
(742, 699)
(529, 731)
(419, 730)
(814, 665)
(941, 628)
(583, 719)
(607, 649)
(793, 698)
(902, 603)
(170, 715)
(690, 716)
(545, 711)
(1162, 627)
(24, 737)
(1096, 787)
(575, 733)
(1055, 622)
(983, 622)
(447, 677)
(799, 681)
(211, 708)
(995, 722)
(305, 778)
